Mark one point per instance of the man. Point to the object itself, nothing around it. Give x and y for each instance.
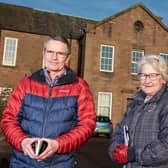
(52, 108)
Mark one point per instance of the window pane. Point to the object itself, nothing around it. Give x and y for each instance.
(107, 55)
(10, 47)
(164, 56)
(104, 104)
(136, 56)
(4, 94)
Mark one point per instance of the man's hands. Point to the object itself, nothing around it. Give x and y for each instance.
(49, 151)
(27, 148)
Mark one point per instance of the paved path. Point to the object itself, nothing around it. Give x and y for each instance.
(5, 152)
(5, 149)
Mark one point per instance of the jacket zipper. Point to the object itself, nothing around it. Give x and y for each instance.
(45, 119)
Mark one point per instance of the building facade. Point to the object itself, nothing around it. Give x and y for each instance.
(113, 47)
(104, 53)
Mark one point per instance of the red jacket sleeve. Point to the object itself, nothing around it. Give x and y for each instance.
(9, 123)
(86, 124)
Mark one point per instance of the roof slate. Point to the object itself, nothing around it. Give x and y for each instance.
(34, 21)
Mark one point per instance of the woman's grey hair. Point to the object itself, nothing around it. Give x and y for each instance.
(58, 38)
(157, 62)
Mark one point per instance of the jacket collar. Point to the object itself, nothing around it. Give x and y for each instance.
(140, 96)
(67, 78)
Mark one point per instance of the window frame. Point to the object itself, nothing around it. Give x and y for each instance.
(135, 62)
(100, 105)
(163, 55)
(14, 52)
(101, 51)
(4, 95)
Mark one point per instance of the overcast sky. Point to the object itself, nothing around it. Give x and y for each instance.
(93, 9)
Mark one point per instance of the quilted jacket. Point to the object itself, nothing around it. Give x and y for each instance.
(148, 128)
(64, 112)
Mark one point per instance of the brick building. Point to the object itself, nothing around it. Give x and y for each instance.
(104, 52)
(113, 47)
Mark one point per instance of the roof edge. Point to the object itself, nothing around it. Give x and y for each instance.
(156, 18)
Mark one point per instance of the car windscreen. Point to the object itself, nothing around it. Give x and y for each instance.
(103, 119)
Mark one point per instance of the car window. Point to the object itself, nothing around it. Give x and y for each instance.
(103, 119)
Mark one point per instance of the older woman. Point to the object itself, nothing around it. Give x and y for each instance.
(141, 138)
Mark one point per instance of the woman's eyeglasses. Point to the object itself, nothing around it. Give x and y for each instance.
(151, 76)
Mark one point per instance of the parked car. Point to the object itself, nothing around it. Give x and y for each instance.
(104, 126)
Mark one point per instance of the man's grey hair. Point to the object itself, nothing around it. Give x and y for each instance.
(58, 38)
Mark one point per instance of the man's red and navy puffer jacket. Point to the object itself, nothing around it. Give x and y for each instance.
(64, 112)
